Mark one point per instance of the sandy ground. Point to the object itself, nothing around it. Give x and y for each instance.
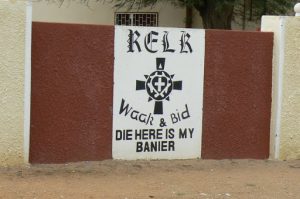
(154, 179)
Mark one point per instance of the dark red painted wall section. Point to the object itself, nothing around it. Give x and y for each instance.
(72, 90)
(237, 94)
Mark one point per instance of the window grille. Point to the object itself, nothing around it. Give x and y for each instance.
(136, 19)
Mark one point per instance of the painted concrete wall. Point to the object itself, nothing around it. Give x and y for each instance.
(102, 13)
(72, 85)
(286, 81)
(290, 126)
(72, 93)
(12, 61)
(237, 95)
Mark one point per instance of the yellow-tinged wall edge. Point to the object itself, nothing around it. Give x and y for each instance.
(14, 64)
(27, 81)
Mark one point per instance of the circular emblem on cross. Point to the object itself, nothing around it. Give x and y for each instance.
(159, 85)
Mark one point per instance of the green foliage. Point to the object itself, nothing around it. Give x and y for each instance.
(252, 10)
(135, 4)
(269, 7)
(276, 7)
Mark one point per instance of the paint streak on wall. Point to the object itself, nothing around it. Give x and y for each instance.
(12, 58)
(290, 118)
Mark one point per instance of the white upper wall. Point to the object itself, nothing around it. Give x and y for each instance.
(102, 13)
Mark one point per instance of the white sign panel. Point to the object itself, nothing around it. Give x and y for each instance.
(158, 91)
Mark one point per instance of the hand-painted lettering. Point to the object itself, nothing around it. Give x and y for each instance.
(151, 43)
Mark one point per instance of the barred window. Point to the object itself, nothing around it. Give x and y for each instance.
(136, 19)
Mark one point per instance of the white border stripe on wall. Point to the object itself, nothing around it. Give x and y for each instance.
(27, 81)
(281, 48)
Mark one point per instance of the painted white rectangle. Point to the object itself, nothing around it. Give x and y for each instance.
(158, 93)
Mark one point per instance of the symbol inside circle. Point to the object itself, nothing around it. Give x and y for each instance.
(159, 85)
